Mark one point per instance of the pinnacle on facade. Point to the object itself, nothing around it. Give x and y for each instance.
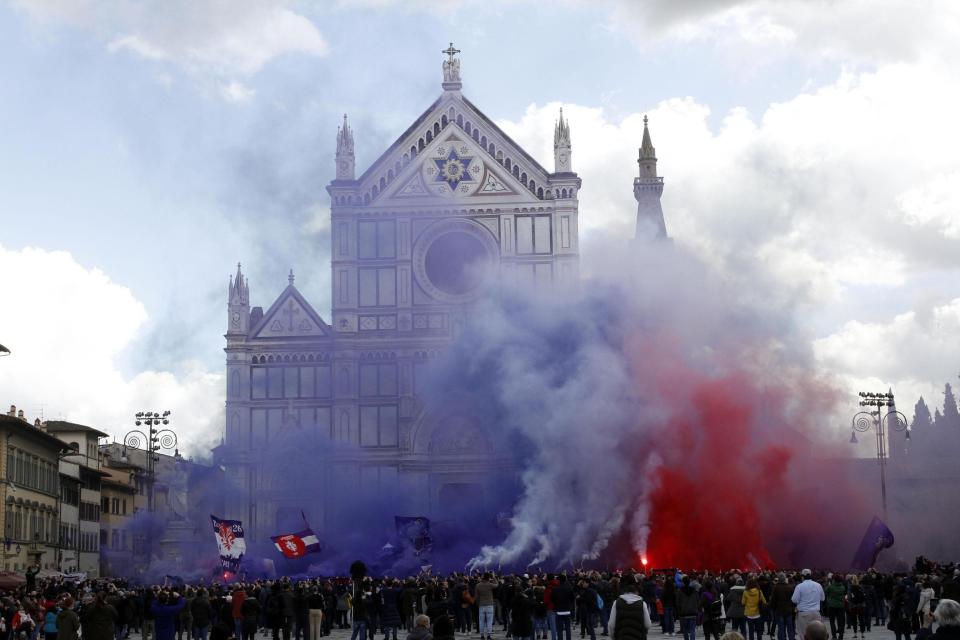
(238, 291)
(344, 138)
(561, 132)
(345, 158)
(561, 146)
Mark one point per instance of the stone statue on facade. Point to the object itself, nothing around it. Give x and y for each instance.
(451, 66)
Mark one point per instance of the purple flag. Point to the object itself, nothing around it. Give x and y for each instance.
(877, 538)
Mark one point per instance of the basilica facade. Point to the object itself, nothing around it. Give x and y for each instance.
(452, 207)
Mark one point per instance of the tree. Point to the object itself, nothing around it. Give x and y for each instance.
(951, 416)
(938, 421)
(921, 416)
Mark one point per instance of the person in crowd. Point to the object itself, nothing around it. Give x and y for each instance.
(734, 606)
(629, 614)
(857, 607)
(924, 607)
(360, 602)
(250, 616)
(563, 600)
(668, 597)
(714, 614)
(590, 605)
(165, 609)
(421, 629)
(238, 597)
(753, 600)
(409, 603)
(836, 599)
(201, 615)
(688, 608)
(808, 596)
(901, 614)
(540, 613)
(521, 616)
(552, 583)
(50, 622)
(390, 609)
(947, 617)
(485, 602)
(68, 622)
(315, 608)
(100, 619)
(782, 607)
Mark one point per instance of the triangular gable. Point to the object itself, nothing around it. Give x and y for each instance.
(453, 165)
(290, 316)
(451, 112)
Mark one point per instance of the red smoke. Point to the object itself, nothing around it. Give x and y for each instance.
(741, 484)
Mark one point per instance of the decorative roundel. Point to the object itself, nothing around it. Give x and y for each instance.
(453, 169)
(452, 259)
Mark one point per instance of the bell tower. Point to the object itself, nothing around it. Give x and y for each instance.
(647, 189)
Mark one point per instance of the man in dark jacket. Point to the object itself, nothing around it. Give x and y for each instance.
(563, 598)
(99, 619)
(590, 609)
(688, 608)
(782, 607)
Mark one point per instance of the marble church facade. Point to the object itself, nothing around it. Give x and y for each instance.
(452, 204)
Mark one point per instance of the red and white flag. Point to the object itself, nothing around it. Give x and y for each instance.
(297, 545)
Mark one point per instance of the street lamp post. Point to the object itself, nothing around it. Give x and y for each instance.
(151, 442)
(882, 423)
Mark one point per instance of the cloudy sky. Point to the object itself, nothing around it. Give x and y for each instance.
(147, 146)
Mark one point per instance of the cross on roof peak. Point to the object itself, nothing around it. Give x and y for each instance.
(451, 51)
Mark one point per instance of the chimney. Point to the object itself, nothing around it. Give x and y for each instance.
(37, 424)
(20, 415)
(13, 411)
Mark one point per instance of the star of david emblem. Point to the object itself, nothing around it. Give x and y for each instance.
(453, 169)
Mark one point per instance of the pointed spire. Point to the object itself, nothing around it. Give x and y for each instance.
(290, 277)
(561, 145)
(345, 158)
(647, 152)
(344, 137)
(238, 291)
(561, 132)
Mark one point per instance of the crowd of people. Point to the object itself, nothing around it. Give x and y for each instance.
(621, 605)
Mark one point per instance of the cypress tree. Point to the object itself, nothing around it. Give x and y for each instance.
(951, 416)
(921, 416)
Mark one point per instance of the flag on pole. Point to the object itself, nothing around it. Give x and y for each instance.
(416, 531)
(230, 542)
(297, 545)
(877, 538)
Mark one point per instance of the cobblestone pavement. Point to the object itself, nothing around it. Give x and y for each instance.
(877, 633)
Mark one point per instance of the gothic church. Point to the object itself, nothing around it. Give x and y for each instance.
(450, 202)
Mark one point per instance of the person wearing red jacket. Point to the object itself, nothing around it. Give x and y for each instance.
(238, 596)
(552, 583)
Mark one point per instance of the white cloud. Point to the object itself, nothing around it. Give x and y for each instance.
(68, 328)
(820, 191)
(874, 31)
(914, 352)
(237, 92)
(223, 39)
